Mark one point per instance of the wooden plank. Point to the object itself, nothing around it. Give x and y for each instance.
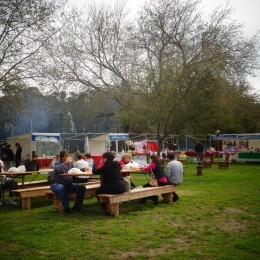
(137, 194)
(90, 191)
(112, 200)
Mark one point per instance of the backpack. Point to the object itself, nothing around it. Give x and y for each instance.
(31, 165)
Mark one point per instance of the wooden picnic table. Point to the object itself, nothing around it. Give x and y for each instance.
(22, 174)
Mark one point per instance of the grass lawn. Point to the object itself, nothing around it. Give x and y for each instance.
(217, 217)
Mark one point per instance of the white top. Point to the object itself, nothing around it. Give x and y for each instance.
(174, 172)
(81, 164)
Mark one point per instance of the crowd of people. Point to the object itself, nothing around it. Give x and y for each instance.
(110, 173)
(111, 176)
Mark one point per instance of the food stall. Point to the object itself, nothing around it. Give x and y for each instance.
(243, 147)
(46, 145)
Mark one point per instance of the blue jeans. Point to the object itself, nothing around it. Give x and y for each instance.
(62, 191)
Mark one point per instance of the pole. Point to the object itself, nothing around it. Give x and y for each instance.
(60, 122)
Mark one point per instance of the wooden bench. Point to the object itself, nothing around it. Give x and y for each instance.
(112, 200)
(41, 191)
(91, 191)
(31, 184)
(28, 193)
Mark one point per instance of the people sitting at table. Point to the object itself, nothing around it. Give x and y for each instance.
(63, 185)
(56, 159)
(80, 162)
(125, 159)
(157, 169)
(6, 183)
(112, 181)
(83, 165)
(174, 173)
(89, 159)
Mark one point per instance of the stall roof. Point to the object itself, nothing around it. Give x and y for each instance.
(247, 136)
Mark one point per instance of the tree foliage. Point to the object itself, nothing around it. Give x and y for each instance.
(171, 72)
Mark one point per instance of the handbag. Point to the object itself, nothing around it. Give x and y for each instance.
(152, 180)
(127, 181)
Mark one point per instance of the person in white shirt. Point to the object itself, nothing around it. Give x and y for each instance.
(174, 173)
(81, 163)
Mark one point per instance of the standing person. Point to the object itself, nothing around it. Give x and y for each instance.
(199, 151)
(63, 185)
(18, 155)
(156, 167)
(174, 173)
(112, 181)
(10, 157)
(7, 184)
(3, 154)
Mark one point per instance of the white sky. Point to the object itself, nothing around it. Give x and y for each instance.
(246, 12)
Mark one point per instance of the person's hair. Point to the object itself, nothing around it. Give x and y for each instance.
(154, 157)
(109, 156)
(8, 146)
(63, 154)
(88, 155)
(125, 155)
(79, 156)
(17, 144)
(171, 156)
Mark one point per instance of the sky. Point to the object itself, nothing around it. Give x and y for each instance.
(246, 12)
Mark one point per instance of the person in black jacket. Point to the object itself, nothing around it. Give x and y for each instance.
(7, 156)
(111, 178)
(198, 148)
(18, 155)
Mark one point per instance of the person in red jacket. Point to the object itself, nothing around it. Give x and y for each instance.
(125, 159)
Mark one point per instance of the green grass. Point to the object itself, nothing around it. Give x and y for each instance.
(217, 217)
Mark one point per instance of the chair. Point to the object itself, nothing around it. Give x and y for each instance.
(224, 164)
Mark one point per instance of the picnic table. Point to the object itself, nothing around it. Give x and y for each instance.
(22, 174)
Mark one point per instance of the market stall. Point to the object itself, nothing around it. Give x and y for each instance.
(44, 144)
(245, 147)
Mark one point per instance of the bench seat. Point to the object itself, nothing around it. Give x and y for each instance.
(112, 200)
(41, 191)
(28, 193)
(30, 184)
(91, 191)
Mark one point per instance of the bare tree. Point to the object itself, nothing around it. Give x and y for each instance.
(25, 26)
(92, 52)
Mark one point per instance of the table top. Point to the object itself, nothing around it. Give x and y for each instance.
(26, 172)
(16, 173)
(132, 170)
(77, 174)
